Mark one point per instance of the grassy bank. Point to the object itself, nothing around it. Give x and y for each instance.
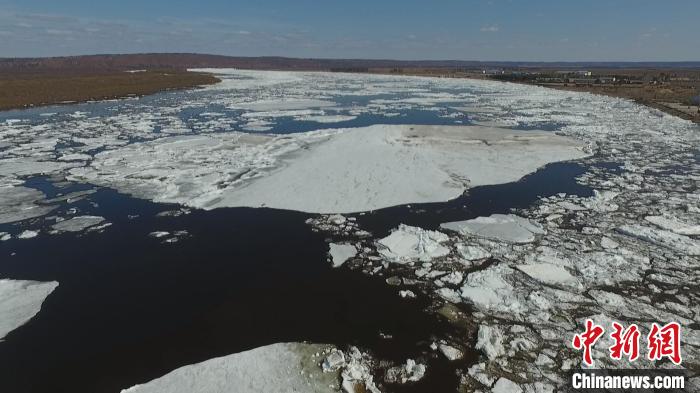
(27, 90)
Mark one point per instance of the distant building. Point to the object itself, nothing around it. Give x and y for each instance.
(493, 71)
(580, 73)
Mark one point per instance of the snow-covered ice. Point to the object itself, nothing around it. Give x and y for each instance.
(340, 253)
(407, 244)
(19, 203)
(509, 228)
(78, 224)
(20, 301)
(28, 234)
(277, 368)
(332, 171)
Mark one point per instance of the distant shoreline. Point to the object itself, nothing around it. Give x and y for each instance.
(22, 91)
(669, 99)
(26, 83)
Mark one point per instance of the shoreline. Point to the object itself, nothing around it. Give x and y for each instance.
(671, 106)
(23, 91)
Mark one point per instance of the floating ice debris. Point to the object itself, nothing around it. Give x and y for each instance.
(78, 224)
(159, 234)
(174, 213)
(608, 243)
(450, 352)
(505, 385)
(410, 372)
(549, 274)
(277, 368)
(21, 203)
(28, 234)
(334, 361)
(490, 341)
(284, 104)
(75, 157)
(472, 253)
(357, 374)
(601, 201)
(490, 290)
(408, 244)
(20, 301)
(407, 294)
(327, 118)
(4, 236)
(70, 197)
(510, 228)
(662, 238)
(340, 253)
(674, 225)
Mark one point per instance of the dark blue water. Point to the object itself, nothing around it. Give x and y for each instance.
(130, 308)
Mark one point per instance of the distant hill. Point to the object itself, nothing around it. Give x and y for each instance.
(109, 63)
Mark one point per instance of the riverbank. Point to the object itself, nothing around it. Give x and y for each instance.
(19, 91)
(673, 98)
(669, 99)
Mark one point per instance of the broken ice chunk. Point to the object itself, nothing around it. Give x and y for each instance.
(504, 227)
(78, 224)
(410, 372)
(28, 234)
(407, 244)
(21, 203)
(674, 225)
(490, 341)
(549, 274)
(472, 253)
(20, 301)
(662, 238)
(334, 361)
(340, 253)
(450, 352)
(504, 385)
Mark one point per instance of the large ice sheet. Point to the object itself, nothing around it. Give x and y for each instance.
(331, 171)
(387, 165)
(277, 368)
(20, 301)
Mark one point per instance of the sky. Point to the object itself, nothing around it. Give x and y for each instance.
(495, 30)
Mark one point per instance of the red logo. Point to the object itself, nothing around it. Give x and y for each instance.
(586, 340)
(626, 342)
(662, 342)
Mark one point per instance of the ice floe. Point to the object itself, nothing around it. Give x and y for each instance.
(332, 171)
(19, 203)
(78, 224)
(340, 253)
(20, 301)
(277, 368)
(509, 228)
(407, 244)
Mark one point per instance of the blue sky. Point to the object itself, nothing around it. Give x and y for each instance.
(546, 30)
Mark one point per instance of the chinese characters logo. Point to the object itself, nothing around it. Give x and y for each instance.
(662, 342)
